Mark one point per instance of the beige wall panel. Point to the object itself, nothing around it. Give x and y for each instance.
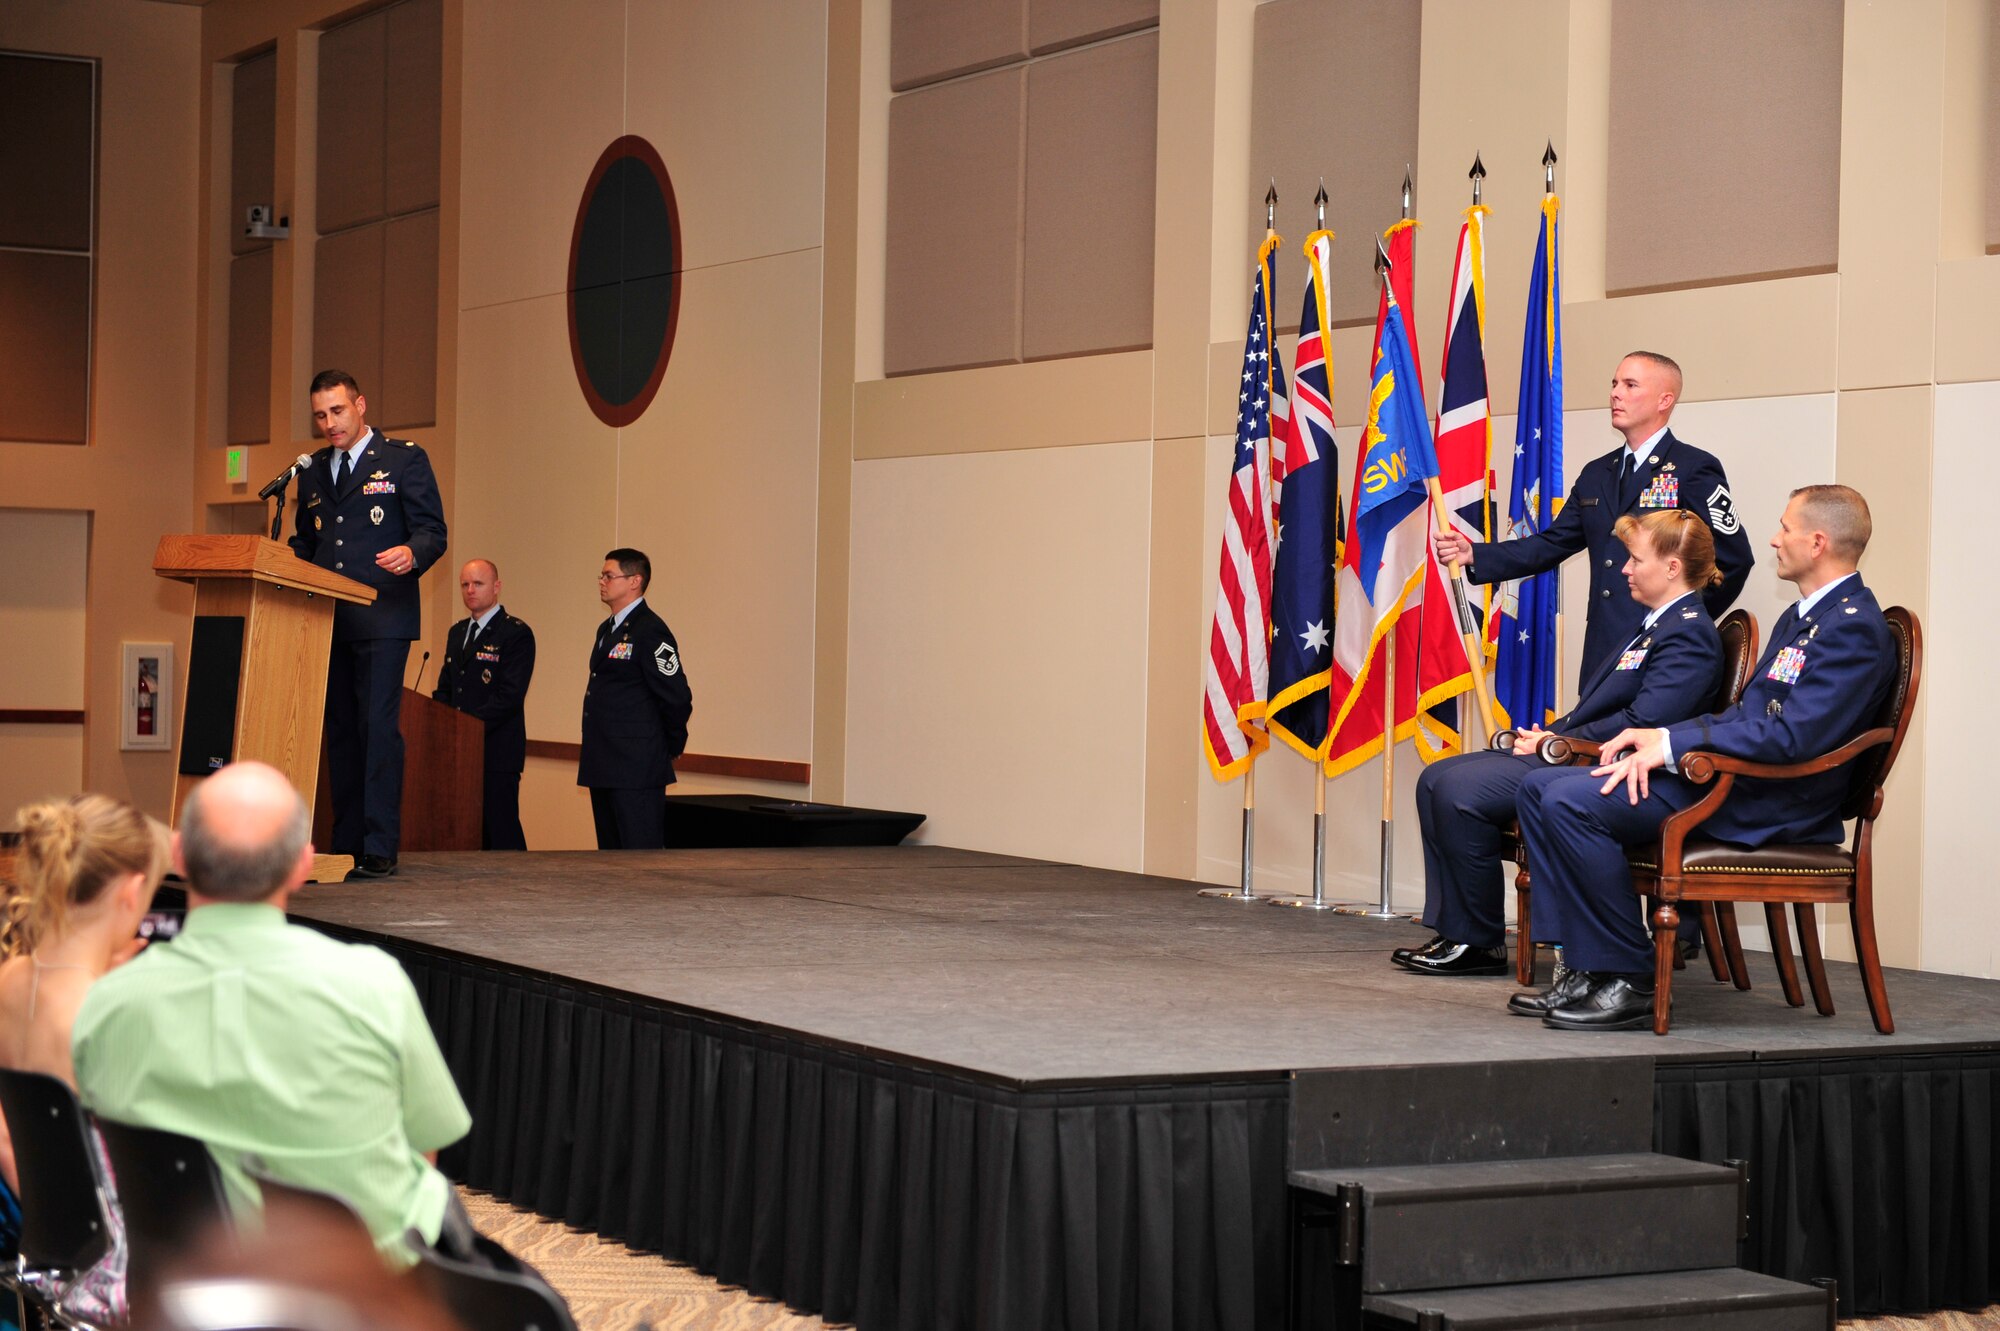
(1586, 152)
(1890, 182)
(1184, 237)
(937, 39)
(999, 607)
(249, 407)
(409, 322)
(413, 71)
(37, 763)
(537, 493)
(1988, 41)
(137, 473)
(1725, 141)
(253, 126)
(1968, 291)
(347, 304)
(1961, 642)
(953, 293)
(352, 129)
(1087, 268)
(1751, 339)
(1336, 95)
(727, 511)
(45, 345)
(46, 555)
(1177, 625)
(759, 69)
(544, 95)
(1049, 404)
(1886, 453)
(1970, 114)
(1058, 23)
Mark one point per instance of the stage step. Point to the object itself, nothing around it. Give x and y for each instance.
(1722, 1299)
(1498, 1221)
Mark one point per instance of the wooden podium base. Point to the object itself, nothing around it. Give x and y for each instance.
(331, 868)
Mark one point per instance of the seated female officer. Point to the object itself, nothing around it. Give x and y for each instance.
(1669, 672)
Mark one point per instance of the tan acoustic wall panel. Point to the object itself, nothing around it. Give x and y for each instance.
(249, 409)
(44, 340)
(1087, 268)
(409, 321)
(253, 123)
(931, 40)
(352, 128)
(1334, 95)
(1992, 126)
(1054, 24)
(347, 305)
(1725, 141)
(413, 62)
(954, 244)
(46, 108)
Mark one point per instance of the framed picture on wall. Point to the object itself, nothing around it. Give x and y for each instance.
(146, 696)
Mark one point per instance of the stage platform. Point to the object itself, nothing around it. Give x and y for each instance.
(918, 1086)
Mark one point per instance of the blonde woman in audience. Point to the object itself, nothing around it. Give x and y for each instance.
(82, 881)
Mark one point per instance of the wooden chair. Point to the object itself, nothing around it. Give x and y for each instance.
(1718, 920)
(1684, 868)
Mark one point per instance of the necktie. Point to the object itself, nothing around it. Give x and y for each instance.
(471, 634)
(339, 469)
(1625, 471)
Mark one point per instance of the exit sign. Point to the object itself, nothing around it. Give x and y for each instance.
(235, 465)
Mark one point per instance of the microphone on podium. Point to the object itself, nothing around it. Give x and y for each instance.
(421, 665)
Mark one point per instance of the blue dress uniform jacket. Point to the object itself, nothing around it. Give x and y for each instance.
(1822, 678)
(635, 707)
(1464, 803)
(490, 681)
(1676, 475)
(390, 499)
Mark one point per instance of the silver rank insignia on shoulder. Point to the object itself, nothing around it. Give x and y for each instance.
(375, 515)
(409, 443)
(1852, 611)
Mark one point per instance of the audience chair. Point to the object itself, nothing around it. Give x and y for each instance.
(491, 1300)
(1739, 634)
(1681, 867)
(65, 1216)
(253, 1305)
(169, 1192)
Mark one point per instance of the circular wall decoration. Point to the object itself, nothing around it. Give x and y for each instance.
(624, 280)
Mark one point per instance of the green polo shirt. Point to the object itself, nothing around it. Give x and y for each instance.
(283, 1049)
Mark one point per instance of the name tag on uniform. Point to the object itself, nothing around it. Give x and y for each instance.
(1632, 659)
(379, 488)
(1664, 492)
(619, 652)
(1786, 667)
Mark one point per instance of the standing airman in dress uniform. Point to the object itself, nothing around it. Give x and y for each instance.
(635, 711)
(489, 658)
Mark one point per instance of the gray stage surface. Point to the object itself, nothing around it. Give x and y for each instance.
(1028, 973)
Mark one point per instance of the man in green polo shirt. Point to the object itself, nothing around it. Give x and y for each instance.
(285, 1051)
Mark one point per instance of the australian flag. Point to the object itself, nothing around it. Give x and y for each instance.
(1525, 670)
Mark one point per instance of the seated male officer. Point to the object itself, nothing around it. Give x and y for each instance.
(1830, 662)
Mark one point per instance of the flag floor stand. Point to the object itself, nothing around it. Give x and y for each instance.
(1244, 892)
(1384, 909)
(1317, 901)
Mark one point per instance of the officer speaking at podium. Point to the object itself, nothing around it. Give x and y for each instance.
(368, 509)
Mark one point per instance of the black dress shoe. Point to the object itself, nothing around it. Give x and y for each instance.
(1401, 956)
(372, 866)
(1603, 1003)
(1568, 984)
(1460, 959)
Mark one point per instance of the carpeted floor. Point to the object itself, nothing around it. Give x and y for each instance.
(611, 1288)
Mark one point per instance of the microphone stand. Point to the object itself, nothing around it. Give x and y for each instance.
(278, 515)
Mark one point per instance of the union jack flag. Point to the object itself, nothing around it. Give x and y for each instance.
(1239, 667)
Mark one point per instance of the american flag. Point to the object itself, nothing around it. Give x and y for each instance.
(1239, 664)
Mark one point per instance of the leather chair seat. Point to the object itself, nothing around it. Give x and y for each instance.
(1718, 857)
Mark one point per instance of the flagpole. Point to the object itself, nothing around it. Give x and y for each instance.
(1548, 188)
(1246, 889)
(1384, 910)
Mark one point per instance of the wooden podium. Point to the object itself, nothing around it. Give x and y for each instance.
(256, 678)
(445, 750)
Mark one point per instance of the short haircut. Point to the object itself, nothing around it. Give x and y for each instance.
(632, 561)
(328, 380)
(1841, 513)
(1676, 533)
(1664, 361)
(227, 872)
(492, 567)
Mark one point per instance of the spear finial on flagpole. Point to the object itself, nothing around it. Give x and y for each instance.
(1477, 175)
(1271, 206)
(1382, 262)
(1549, 168)
(1406, 191)
(1319, 203)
